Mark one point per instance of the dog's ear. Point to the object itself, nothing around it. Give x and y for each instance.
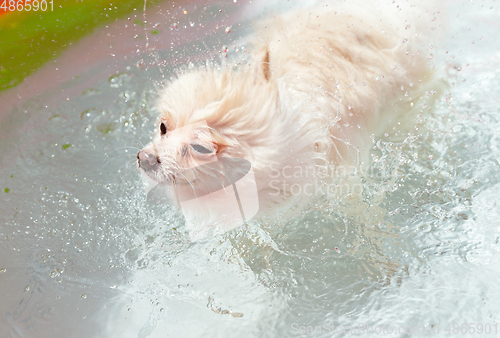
(262, 68)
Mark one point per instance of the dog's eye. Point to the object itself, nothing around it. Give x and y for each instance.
(163, 128)
(201, 149)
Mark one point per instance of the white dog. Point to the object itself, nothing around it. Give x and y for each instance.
(320, 82)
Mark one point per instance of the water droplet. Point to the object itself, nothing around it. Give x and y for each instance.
(83, 296)
(156, 25)
(27, 288)
(425, 227)
(379, 78)
(191, 24)
(407, 94)
(405, 40)
(118, 79)
(430, 56)
(228, 29)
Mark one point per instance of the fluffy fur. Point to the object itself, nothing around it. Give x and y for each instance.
(320, 82)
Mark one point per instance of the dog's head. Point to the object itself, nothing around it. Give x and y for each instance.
(206, 115)
(177, 149)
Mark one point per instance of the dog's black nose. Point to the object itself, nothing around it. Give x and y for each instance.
(148, 161)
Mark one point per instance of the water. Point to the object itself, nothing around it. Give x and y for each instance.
(83, 254)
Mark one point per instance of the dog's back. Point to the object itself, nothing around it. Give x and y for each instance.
(344, 64)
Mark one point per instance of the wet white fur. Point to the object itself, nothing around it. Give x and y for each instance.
(320, 82)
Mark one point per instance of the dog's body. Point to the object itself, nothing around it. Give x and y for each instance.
(318, 86)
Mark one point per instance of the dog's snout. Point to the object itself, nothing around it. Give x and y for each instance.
(148, 161)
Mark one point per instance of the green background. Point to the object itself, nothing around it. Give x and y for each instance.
(30, 39)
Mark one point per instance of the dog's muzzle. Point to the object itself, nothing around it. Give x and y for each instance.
(148, 161)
